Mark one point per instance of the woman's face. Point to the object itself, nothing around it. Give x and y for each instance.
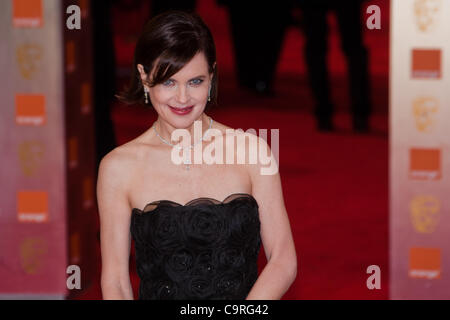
(182, 99)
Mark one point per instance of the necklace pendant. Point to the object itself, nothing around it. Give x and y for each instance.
(187, 162)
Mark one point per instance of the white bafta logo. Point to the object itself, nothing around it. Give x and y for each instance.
(427, 14)
(425, 109)
(29, 56)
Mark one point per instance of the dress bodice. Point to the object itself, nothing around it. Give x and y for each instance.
(205, 249)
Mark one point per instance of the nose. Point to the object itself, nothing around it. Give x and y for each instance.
(182, 94)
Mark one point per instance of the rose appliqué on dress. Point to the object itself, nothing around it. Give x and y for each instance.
(203, 226)
(207, 250)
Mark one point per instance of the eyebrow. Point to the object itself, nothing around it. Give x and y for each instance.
(198, 77)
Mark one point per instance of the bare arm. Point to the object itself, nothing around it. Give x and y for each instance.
(115, 213)
(276, 235)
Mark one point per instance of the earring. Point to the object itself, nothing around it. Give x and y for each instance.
(209, 95)
(146, 95)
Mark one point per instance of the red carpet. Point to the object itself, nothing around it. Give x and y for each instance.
(335, 185)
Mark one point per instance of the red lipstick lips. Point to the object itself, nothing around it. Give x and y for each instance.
(181, 111)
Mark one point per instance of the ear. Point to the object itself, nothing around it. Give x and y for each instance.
(142, 73)
(212, 73)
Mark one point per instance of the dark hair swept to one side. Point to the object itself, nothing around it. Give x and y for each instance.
(170, 40)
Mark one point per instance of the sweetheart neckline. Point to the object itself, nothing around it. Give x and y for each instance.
(215, 201)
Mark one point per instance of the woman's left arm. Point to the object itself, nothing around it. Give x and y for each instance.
(281, 269)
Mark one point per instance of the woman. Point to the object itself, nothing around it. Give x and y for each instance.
(206, 248)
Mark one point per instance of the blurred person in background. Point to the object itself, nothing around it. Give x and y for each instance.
(257, 29)
(314, 23)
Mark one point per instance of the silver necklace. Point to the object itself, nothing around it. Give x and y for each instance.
(187, 162)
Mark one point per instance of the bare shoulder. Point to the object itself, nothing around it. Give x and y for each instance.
(234, 132)
(222, 127)
(250, 137)
(116, 159)
(117, 172)
(250, 148)
(120, 162)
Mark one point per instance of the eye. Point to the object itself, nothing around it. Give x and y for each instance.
(196, 82)
(168, 83)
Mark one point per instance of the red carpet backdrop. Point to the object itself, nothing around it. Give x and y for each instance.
(353, 200)
(420, 150)
(47, 176)
(335, 184)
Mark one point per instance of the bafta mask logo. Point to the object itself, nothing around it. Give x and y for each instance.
(30, 156)
(29, 58)
(425, 212)
(427, 14)
(424, 110)
(32, 252)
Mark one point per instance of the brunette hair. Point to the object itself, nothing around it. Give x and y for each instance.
(170, 40)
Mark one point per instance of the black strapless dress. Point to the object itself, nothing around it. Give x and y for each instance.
(205, 249)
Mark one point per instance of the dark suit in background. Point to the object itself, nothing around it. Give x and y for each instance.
(257, 28)
(314, 23)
